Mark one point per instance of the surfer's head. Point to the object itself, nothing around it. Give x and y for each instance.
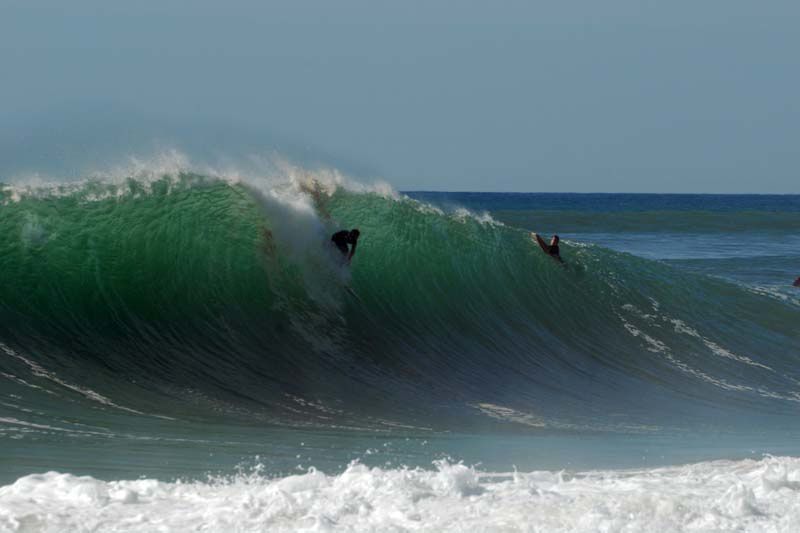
(354, 233)
(554, 240)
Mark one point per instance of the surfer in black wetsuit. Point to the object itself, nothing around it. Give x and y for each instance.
(550, 249)
(796, 282)
(342, 238)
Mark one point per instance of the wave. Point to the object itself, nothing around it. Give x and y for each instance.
(635, 213)
(198, 296)
(685, 222)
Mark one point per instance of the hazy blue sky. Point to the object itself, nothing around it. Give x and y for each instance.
(669, 96)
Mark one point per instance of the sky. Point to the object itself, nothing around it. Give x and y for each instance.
(573, 96)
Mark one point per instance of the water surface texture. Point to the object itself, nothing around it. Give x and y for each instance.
(183, 349)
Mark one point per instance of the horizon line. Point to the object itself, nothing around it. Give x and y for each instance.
(599, 192)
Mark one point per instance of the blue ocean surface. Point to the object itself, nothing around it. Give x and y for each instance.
(750, 238)
(182, 350)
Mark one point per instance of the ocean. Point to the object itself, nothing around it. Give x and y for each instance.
(184, 351)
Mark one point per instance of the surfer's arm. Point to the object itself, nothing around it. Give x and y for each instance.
(543, 245)
(352, 251)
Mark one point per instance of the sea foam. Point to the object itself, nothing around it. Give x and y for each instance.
(748, 495)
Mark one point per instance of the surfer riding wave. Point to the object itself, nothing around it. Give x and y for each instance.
(341, 239)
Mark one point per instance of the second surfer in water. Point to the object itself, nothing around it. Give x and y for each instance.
(341, 239)
(550, 249)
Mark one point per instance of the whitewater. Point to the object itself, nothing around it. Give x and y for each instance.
(738, 496)
(181, 349)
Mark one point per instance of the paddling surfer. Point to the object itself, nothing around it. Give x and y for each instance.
(341, 239)
(550, 249)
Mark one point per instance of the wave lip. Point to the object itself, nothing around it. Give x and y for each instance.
(748, 495)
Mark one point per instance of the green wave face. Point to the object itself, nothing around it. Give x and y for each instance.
(155, 252)
(188, 287)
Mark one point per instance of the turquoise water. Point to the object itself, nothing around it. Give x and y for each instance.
(184, 325)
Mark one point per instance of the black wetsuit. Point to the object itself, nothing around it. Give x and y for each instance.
(341, 239)
(553, 251)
